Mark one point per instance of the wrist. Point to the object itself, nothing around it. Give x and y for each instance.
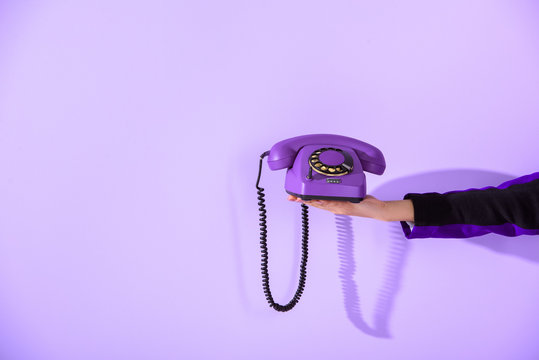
(381, 211)
(397, 210)
(385, 211)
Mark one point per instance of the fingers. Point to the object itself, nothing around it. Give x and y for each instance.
(321, 204)
(296, 199)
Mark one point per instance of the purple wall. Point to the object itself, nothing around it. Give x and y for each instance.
(129, 142)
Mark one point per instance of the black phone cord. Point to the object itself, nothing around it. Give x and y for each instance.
(264, 248)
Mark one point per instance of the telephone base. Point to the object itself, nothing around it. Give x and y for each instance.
(320, 197)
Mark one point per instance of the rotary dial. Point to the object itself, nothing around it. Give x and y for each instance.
(331, 162)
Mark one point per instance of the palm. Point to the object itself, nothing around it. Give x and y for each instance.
(368, 207)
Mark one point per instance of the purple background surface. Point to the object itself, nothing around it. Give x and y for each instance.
(129, 142)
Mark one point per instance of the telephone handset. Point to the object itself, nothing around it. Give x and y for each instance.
(320, 166)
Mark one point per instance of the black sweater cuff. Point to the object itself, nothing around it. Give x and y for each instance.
(429, 208)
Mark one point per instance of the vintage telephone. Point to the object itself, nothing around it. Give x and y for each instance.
(320, 166)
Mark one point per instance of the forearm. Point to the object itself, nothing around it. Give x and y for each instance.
(397, 210)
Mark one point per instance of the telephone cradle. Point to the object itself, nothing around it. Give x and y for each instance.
(319, 167)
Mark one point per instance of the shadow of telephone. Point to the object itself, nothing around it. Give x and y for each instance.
(320, 166)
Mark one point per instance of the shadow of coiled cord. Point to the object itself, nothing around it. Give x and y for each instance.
(391, 281)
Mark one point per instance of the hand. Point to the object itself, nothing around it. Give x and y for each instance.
(369, 207)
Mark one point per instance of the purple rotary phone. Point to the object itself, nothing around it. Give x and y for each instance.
(320, 166)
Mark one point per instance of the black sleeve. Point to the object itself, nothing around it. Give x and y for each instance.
(502, 209)
(517, 204)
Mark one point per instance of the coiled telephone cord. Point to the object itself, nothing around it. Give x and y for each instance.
(264, 248)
